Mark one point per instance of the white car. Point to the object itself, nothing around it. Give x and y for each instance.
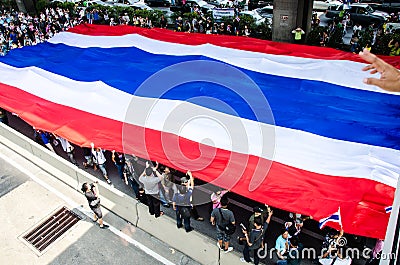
(98, 2)
(140, 5)
(202, 4)
(324, 5)
(122, 3)
(64, 1)
(254, 14)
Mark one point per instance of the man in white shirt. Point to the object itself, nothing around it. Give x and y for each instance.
(151, 179)
(100, 161)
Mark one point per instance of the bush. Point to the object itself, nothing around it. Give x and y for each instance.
(264, 31)
(41, 5)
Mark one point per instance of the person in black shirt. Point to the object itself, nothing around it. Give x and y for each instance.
(90, 192)
(255, 238)
(119, 161)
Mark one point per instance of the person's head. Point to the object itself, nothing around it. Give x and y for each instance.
(184, 181)
(294, 242)
(257, 211)
(85, 187)
(167, 170)
(182, 189)
(299, 222)
(285, 233)
(257, 222)
(224, 201)
(149, 171)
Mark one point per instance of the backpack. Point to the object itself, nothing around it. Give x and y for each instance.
(228, 228)
(184, 211)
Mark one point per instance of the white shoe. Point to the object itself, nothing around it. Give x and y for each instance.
(243, 260)
(229, 249)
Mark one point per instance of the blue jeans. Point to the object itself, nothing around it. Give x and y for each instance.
(103, 169)
(120, 169)
(134, 185)
(179, 219)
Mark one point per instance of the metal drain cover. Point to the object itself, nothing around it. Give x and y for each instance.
(51, 229)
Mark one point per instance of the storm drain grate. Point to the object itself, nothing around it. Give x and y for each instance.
(51, 229)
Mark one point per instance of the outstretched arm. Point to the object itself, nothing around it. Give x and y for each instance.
(390, 76)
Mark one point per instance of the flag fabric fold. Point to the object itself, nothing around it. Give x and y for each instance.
(301, 112)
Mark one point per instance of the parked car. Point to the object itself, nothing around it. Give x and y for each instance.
(266, 11)
(359, 13)
(324, 5)
(158, 2)
(141, 5)
(393, 27)
(123, 3)
(186, 8)
(254, 14)
(253, 4)
(98, 2)
(220, 3)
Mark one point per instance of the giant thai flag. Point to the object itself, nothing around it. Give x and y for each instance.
(292, 126)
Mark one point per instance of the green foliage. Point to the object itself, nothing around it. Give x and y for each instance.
(264, 31)
(41, 5)
(249, 21)
(189, 16)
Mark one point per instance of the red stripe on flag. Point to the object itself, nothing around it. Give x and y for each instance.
(361, 201)
(235, 42)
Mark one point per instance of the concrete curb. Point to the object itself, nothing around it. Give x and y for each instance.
(193, 244)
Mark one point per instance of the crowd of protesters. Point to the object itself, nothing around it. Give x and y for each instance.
(18, 29)
(363, 36)
(158, 185)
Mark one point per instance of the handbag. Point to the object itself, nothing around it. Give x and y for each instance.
(229, 228)
(94, 203)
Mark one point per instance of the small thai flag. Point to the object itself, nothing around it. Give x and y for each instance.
(238, 19)
(332, 218)
(388, 209)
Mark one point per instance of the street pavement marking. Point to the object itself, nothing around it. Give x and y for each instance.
(77, 206)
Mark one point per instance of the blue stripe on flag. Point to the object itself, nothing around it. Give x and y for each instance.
(321, 108)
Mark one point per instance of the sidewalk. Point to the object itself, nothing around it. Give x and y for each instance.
(28, 200)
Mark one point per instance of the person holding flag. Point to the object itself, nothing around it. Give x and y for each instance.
(388, 209)
(335, 217)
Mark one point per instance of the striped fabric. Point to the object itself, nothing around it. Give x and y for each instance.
(287, 125)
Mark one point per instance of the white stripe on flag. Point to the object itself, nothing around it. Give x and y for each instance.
(335, 217)
(388, 209)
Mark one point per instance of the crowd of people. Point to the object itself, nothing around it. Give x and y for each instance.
(18, 29)
(158, 185)
(363, 36)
